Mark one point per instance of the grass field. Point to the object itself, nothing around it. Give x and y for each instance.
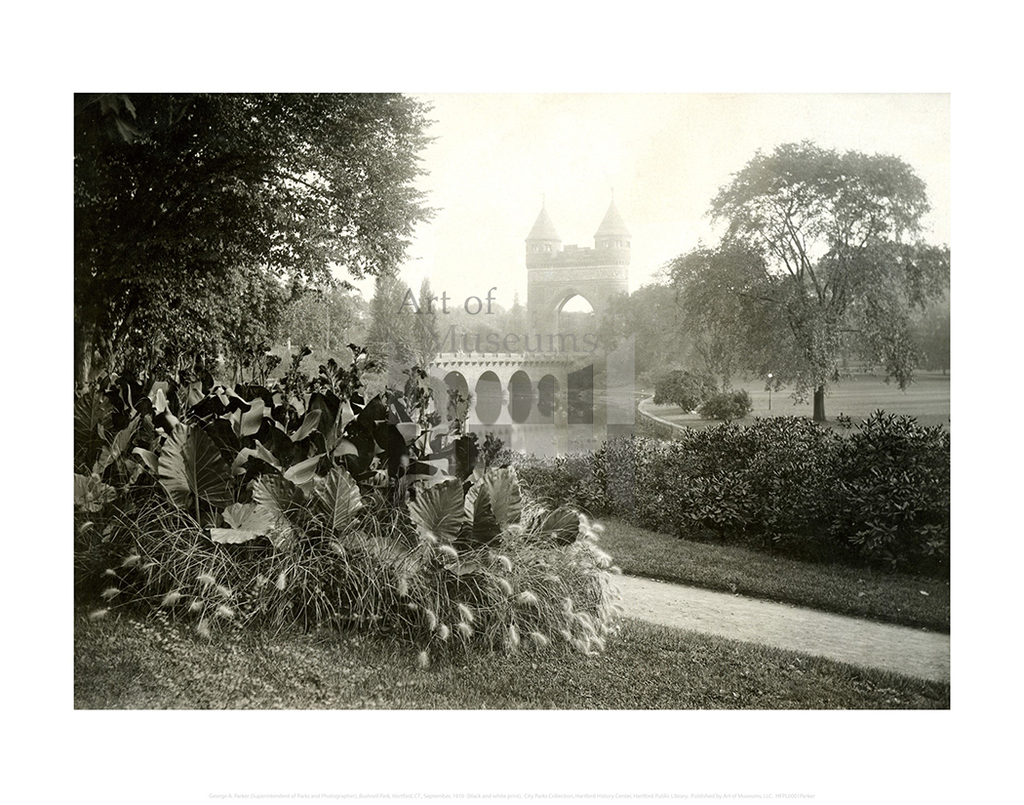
(134, 663)
(927, 399)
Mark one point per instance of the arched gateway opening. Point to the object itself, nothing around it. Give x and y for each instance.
(547, 398)
(557, 274)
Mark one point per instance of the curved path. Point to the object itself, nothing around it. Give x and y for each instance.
(900, 649)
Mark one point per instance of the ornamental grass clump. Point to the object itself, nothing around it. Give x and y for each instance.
(523, 593)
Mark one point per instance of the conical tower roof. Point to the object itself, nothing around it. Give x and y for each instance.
(543, 228)
(612, 223)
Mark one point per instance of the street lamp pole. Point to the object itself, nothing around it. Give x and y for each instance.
(769, 391)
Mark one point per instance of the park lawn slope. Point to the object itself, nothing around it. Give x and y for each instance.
(124, 662)
(883, 596)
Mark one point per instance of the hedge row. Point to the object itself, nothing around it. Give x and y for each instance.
(878, 493)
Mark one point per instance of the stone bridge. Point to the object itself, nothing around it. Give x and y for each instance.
(541, 403)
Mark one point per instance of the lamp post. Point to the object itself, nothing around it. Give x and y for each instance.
(769, 391)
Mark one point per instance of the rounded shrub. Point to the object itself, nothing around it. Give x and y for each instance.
(726, 405)
(892, 499)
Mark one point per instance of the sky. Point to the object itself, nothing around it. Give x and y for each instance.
(497, 158)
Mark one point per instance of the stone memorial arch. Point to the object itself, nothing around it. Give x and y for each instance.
(555, 274)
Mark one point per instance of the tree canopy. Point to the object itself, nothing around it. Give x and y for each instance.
(821, 254)
(653, 316)
(175, 195)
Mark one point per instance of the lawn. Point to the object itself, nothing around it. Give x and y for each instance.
(134, 663)
(927, 399)
(878, 595)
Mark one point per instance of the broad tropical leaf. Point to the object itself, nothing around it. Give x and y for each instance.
(482, 528)
(339, 500)
(301, 474)
(506, 502)
(248, 517)
(309, 424)
(190, 464)
(562, 525)
(265, 455)
(249, 422)
(118, 446)
(91, 494)
(428, 472)
(283, 500)
(247, 520)
(439, 511)
(149, 459)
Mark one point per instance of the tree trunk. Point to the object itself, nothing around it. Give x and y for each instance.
(819, 404)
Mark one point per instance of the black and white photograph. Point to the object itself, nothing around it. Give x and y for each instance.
(377, 434)
(517, 438)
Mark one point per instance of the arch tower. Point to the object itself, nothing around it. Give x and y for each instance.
(555, 274)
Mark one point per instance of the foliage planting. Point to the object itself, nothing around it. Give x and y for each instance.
(878, 494)
(305, 503)
(688, 390)
(726, 405)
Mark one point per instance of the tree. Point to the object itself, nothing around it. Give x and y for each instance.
(819, 253)
(426, 341)
(252, 313)
(174, 193)
(389, 342)
(653, 317)
(932, 330)
(327, 317)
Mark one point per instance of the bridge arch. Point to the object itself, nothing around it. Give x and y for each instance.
(520, 397)
(488, 398)
(458, 398)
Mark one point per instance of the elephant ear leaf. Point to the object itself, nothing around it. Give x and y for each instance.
(190, 464)
(438, 512)
(482, 527)
(561, 525)
(118, 446)
(506, 502)
(91, 494)
(282, 499)
(247, 520)
(339, 500)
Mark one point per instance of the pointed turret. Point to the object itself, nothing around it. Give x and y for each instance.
(543, 228)
(612, 232)
(543, 241)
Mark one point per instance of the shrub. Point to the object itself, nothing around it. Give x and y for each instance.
(727, 405)
(892, 499)
(879, 494)
(685, 389)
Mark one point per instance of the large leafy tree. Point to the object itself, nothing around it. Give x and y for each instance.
(174, 194)
(654, 318)
(821, 254)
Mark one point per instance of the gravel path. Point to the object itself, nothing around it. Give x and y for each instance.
(912, 652)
